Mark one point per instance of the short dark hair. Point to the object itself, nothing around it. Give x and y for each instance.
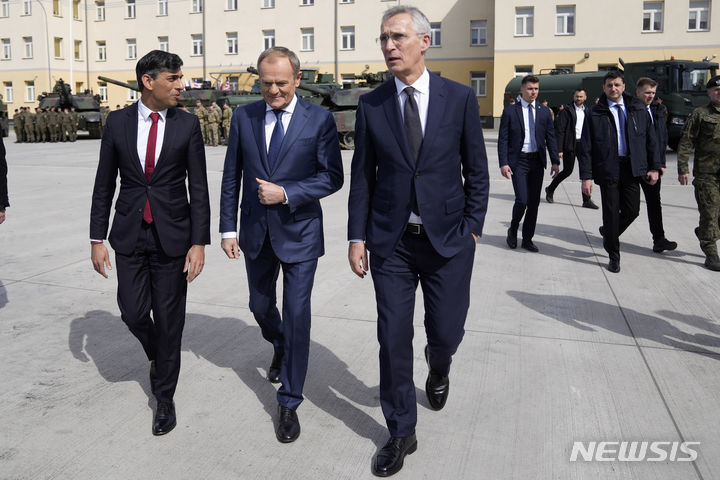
(280, 52)
(646, 81)
(579, 89)
(530, 79)
(154, 62)
(612, 75)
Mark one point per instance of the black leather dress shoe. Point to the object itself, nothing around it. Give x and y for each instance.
(602, 231)
(590, 204)
(288, 429)
(549, 195)
(437, 387)
(664, 244)
(529, 246)
(511, 238)
(164, 420)
(389, 460)
(273, 374)
(614, 266)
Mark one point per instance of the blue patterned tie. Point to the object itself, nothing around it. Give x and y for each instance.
(276, 139)
(531, 121)
(622, 150)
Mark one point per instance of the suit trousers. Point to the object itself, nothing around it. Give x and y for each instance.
(148, 280)
(620, 206)
(527, 181)
(445, 283)
(568, 161)
(654, 209)
(289, 334)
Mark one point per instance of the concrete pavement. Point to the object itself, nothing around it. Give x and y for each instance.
(557, 350)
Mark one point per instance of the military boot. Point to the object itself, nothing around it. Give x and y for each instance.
(712, 262)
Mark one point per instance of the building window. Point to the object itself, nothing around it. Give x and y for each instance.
(231, 4)
(268, 38)
(478, 82)
(268, 4)
(4, 8)
(100, 10)
(348, 38)
(523, 70)
(8, 92)
(131, 48)
(102, 91)
(101, 50)
(197, 6)
(478, 32)
(307, 2)
(565, 20)
(28, 51)
(132, 94)
(197, 44)
(308, 39)
(435, 35)
(58, 47)
(6, 49)
(162, 8)
(77, 49)
(27, 7)
(347, 1)
(232, 43)
(30, 91)
(524, 21)
(56, 8)
(164, 44)
(699, 19)
(652, 17)
(76, 9)
(129, 8)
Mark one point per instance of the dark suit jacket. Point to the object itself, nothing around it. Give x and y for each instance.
(3, 177)
(180, 223)
(659, 113)
(383, 172)
(565, 128)
(598, 158)
(309, 167)
(511, 135)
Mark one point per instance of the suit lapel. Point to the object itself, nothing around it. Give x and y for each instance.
(298, 121)
(435, 113)
(392, 112)
(257, 116)
(131, 133)
(519, 113)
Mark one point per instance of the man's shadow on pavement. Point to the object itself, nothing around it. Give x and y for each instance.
(608, 316)
(103, 338)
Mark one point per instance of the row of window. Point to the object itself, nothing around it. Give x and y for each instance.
(27, 8)
(652, 20)
(28, 50)
(29, 91)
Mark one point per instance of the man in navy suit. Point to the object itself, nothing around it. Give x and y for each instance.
(288, 151)
(418, 197)
(526, 130)
(159, 236)
(4, 202)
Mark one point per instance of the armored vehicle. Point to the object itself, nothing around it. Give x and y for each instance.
(4, 128)
(681, 87)
(86, 105)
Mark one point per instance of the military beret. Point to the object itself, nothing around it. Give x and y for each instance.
(714, 82)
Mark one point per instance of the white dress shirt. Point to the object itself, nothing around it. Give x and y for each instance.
(144, 124)
(526, 121)
(622, 149)
(422, 98)
(580, 113)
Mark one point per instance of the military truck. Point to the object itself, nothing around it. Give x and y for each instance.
(681, 87)
(86, 105)
(4, 127)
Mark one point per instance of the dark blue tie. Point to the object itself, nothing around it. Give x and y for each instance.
(276, 139)
(531, 121)
(621, 119)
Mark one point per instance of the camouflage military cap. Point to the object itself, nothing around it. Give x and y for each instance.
(714, 82)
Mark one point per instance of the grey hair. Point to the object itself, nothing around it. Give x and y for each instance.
(281, 52)
(420, 22)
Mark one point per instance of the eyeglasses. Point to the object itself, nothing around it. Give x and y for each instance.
(397, 38)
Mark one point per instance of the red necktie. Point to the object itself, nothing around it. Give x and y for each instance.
(150, 161)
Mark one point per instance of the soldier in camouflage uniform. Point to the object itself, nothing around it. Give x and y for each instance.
(40, 125)
(75, 124)
(202, 115)
(702, 133)
(66, 124)
(226, 117)
(54, 124)
(18, 125)
(214, 118)
(29, 125)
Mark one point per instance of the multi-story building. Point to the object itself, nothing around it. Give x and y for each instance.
(482, 43)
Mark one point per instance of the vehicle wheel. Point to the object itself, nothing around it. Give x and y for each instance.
(347, 140)
(94, 130)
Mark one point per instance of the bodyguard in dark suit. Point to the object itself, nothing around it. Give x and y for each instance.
(568, 130)
(645, 92)
(618, 150)
(418, 197)
(526, 130)
(4, 202)
(158, 234)
(287, 150)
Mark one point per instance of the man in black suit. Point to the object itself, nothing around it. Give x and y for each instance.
(526, 131)
(159, 236)
(418, 197)
(568, 130)
(618, 151)
(4, 202)
(645, 92)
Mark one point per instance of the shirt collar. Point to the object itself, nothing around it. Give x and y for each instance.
(422, 84)
(580, 108)
(611, 104)
(145, 112)
(289, 109)
(525, 104)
